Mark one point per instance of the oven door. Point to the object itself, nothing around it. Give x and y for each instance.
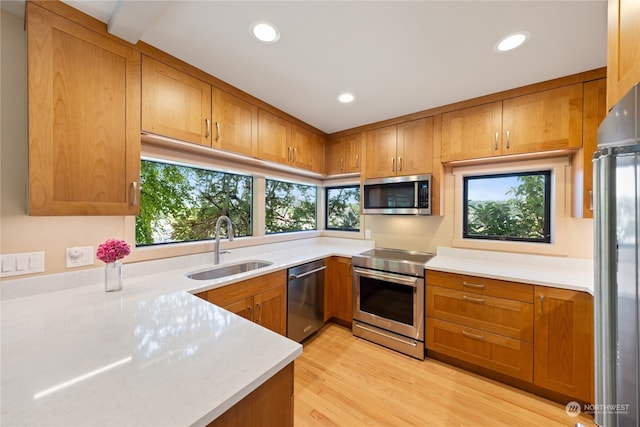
(393, 302)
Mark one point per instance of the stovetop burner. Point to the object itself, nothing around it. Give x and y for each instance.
(393, 260)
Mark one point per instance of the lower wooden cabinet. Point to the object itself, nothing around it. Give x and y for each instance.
(338, 289)
(540, 335)
(563, 342)
(262, 300)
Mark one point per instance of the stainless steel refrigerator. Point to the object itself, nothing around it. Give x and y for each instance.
(617, 235)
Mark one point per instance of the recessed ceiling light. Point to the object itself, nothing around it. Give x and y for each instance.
(346, 97)
(511, 41)
(265, 32)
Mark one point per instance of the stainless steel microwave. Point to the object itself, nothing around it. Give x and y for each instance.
(401, 195)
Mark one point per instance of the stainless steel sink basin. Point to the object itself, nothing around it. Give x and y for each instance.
(228, 270)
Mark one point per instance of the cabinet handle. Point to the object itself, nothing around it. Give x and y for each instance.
(357, 160)
(250, 308)
(208, 131)
(342, 163)
(472, 285)
(399, 164)
(508, 139)
(474, 300)
(541, 305)
(288, 154)
(591, 200)
(295, 154)
(393, 164)
(134, 198)
(471, 335)
(259, 313)
(217, 131)
(495, 147)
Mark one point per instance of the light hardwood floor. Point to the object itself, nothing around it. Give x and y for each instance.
(341, 380)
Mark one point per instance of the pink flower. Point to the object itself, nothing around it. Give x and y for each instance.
(112, 250)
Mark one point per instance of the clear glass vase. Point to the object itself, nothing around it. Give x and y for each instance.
(113, 277)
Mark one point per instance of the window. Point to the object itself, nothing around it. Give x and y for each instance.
(289, 206)
(343, 208)
(509, 206)
(182, 203)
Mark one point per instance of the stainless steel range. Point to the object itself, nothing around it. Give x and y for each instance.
(388, 303)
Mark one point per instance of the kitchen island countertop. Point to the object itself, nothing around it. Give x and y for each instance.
(153, 354)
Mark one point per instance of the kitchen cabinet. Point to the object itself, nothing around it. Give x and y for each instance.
(235, 124)
(262, 300)
(544, 121)
(175, 104)
(623, 48)
(594, 111)
(563, 342)
(485, 322)
(403, 149)
(84, 119)
(339, 290)
(342, 155)
(307, 150)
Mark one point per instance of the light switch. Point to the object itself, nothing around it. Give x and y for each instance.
(24, 263)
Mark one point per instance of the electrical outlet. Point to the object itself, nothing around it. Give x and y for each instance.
(367, 233)
(79, 256)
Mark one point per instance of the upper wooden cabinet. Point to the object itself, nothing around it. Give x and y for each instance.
(403, 149)
(283, 142)
(175, 104)
(563, 342)
(342, 155)
(594, 111)
(623, 49)
(235, 124)
(543, 121)
(84, 120)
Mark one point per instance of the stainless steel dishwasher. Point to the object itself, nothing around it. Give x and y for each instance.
(305, 300)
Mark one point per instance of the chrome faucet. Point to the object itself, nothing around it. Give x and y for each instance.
(216, 258)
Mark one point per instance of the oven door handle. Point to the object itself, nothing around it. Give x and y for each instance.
(412, 281)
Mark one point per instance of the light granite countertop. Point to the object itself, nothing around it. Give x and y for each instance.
(150, 355)
(557, 272)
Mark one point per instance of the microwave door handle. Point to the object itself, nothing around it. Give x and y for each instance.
(415, 194)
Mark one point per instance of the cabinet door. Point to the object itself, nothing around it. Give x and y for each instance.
(84, 120)
(415, 147)
(270, 309)
(175, 104)
(343, 290)
(543, 121)
(472, 133)
(274, 138)
(594, 111)
(563, 342)
(235, 124)
(335, 156)
(352, 152)
(308, 150)
(380, 148)
(623, 49)
(243, 308)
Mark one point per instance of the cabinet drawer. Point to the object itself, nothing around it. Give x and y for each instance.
(500, 316)
(501, 354)
(480, 285)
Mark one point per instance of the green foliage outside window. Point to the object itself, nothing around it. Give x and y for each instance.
(521, 213)
(343, 208)
(181, 203)
(289, 207)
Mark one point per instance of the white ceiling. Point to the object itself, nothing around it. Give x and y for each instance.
(396, 57)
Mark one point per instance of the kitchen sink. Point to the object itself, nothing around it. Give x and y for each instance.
(227, 270)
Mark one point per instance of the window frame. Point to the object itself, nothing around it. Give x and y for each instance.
(294, 182)
(326, 207)
(547, 173)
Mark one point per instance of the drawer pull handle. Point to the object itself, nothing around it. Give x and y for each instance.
(471, 335)
(471, 299)
(472, 285)
(541, 305)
